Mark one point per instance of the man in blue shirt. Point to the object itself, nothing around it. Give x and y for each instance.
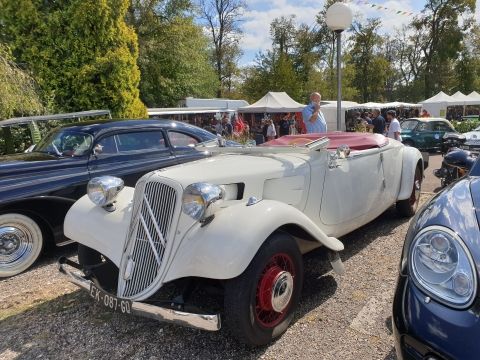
(312, 116)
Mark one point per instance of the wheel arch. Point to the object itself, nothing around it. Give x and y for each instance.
(412, 158)
(204, 251)
(47, 211)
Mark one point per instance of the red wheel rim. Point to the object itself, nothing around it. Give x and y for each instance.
(416, 188)
(275, 290)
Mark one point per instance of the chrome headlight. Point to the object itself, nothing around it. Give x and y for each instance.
(442, 266)
(103, 190)
(199, 200)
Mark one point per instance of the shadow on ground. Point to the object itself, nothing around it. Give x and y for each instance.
(71, 326)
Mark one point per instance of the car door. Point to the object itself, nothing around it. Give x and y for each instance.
(439, 130)
(353, 187)
(424, 134)
(130, 155)
(183, 145)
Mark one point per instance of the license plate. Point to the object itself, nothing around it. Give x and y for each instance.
(111, 302)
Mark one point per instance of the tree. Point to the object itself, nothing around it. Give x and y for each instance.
(222, 18)
(440, 35)
(367, 57)
(82, 53)
(173, 53)
(18, 97)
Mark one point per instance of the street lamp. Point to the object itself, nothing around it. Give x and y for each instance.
(339, 18)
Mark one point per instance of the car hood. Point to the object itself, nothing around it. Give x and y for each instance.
(19, 163)
(472, 135)
(254, 171)
(456, 207)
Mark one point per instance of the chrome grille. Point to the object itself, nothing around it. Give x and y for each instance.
(148, 239)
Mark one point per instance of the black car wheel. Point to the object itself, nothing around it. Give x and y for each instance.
(260, 303)
(408, 207)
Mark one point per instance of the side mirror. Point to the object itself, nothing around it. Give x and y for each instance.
(343, 151)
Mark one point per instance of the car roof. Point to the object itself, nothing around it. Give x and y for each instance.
(94, 127)
(428, 119)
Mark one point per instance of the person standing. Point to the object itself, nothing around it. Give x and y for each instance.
(313, 117)
(227, 127)
(284, 126)
(394, 129)
(271, 132)
(378, 123)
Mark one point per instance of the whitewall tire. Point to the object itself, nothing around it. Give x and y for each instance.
(21, 242)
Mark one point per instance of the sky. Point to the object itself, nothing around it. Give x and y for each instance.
(260, 13)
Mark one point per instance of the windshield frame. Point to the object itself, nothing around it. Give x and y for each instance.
(46, 142)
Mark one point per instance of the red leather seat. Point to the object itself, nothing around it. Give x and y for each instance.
(356, 141)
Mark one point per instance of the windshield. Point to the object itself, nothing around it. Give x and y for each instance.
(65, 142)
(408, 124)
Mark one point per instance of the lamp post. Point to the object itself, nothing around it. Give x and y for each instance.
(339, 18)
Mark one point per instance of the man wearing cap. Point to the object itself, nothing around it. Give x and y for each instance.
(312, 116)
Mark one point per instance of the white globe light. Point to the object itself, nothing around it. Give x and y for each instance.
(339, 17)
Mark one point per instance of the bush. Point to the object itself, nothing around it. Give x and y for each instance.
(465, 126)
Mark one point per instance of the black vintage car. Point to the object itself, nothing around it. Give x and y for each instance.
(38, 188)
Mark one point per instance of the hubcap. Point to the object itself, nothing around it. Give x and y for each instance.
(16, 244)
(275, 290)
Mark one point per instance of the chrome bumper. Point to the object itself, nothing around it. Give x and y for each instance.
(196, 321)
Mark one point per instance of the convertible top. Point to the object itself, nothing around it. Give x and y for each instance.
(356, 141)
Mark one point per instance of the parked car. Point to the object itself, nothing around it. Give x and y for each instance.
(436, 303)
(425, 133)
(38, 188)
(238, 222)
(472, 142)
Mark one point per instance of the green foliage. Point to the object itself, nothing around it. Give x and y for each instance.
(18, 91)
(174, 58)
(82, 52)
(465, 126)
(372, 68)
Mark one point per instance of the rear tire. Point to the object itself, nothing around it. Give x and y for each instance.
(21, 243)
(408, 207)
(260, 303)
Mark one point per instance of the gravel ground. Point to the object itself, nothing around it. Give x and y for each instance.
(44, 317)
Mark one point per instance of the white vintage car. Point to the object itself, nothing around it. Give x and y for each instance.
(238, 221)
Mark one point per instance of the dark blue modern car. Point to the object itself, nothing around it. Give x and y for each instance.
(38, 188)
(436, 308)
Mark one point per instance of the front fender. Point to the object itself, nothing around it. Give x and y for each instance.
(92, 226)
(411, 158)
(224, 248)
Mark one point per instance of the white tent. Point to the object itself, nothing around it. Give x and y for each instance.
(464, 99)
(273, 102)
(437, 105)
(329, 110)
(475, 96)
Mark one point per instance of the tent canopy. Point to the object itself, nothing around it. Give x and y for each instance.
(474, 96)
(273, 102)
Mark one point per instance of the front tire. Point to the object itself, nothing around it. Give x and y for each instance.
(408, 207)
(21, 243)
(260, 303)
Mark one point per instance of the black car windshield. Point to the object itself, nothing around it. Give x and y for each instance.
(408, 124)
(65, 142)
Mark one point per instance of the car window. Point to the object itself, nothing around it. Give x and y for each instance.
(425, 126)
(64, 142)
(178, 139)
(408, 124)
(441, 126)
(106, 146)
(139, 141)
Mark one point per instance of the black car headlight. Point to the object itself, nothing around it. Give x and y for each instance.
(201, 200)
(442, 266)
